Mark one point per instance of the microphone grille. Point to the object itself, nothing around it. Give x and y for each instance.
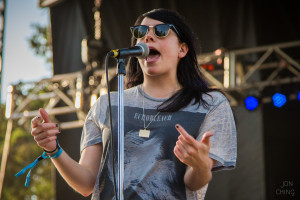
(145, 49)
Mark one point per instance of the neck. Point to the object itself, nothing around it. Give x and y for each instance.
(160, 87)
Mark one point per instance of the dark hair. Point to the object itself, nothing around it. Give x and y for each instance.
(188, 72)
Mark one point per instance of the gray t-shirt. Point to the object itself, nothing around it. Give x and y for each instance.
(152, 171)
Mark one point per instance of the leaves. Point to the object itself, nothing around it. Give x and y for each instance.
(40, 41)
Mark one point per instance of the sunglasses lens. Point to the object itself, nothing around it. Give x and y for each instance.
(162, 30)
(139, 31)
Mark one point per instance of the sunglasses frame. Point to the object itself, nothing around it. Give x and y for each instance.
(171, 26)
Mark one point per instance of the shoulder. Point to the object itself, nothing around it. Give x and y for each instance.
(211, 100)
(214, 98)
(102, 100)
(99, 106)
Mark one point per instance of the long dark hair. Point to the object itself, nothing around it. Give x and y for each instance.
(188, 72)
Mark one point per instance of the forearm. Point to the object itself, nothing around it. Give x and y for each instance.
(78, 176)
(195, 179)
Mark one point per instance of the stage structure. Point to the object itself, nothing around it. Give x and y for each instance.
(238, 72)
(229, 73)
(272, 67)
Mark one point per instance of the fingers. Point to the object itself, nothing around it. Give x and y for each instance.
(187, 137)
(44, 115)
(35, 121)
(185, 148)
(206, 138)
(44, 141)
(43, 127)
(178, 154)
(45, 134)
(190, 151)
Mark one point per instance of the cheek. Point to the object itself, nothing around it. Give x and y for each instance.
(170, 53)
(170, 56)
(171, 49)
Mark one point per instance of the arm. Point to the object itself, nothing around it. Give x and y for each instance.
(80, 176)
(195, 155)
(196, 178)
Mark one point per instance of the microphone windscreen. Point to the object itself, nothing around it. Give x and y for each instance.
(145, 49)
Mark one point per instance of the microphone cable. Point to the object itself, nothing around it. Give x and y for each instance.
(111, 126)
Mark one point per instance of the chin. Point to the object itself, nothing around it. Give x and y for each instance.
(152, 72)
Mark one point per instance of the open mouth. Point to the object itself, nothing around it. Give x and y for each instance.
(153, 55)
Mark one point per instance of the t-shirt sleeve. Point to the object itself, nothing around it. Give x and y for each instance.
(92, 128)
(220, 121)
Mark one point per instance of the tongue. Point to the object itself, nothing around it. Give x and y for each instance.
(152, 58)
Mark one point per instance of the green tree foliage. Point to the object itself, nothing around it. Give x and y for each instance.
(23, 151)
(40, 41)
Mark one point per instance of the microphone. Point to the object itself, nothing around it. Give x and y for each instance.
(141, 50)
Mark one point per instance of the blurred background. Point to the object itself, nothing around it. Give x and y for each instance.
(52, 56)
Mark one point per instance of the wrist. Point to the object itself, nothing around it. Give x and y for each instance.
(54, 150)
(54, 153)
(196, 178)
(204, 167)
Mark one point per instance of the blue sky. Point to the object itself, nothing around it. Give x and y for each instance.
(19, 61)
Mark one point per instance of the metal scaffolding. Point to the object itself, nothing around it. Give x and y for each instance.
(240, 70)
(64, 89)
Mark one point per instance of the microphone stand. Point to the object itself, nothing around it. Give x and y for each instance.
(121, 73)
(140, 49)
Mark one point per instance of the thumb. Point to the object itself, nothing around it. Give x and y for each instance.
(44, 115)
(206, 138)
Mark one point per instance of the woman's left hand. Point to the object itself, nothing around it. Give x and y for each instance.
(191, 151)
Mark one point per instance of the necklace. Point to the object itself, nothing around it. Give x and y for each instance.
(144, 132)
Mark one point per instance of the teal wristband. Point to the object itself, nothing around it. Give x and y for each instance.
(33, 164)
(57, 154)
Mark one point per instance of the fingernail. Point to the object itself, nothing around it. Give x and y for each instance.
(176, 126)
(56, 125)
(38, 117)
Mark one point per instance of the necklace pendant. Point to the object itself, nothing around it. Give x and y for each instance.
(144, 133)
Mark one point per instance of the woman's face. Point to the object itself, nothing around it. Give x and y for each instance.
(165, 53)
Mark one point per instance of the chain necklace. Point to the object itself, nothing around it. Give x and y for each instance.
(144, 132)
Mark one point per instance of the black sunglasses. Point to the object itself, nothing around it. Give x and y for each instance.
(160, 30)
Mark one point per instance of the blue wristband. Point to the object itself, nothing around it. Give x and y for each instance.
(33, 164)
(57, 154)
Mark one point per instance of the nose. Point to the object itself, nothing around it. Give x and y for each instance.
(150, 36)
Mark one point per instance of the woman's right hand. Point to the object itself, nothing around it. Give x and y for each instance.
(45, 132)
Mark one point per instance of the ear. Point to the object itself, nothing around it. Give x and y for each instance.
(183, 49)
